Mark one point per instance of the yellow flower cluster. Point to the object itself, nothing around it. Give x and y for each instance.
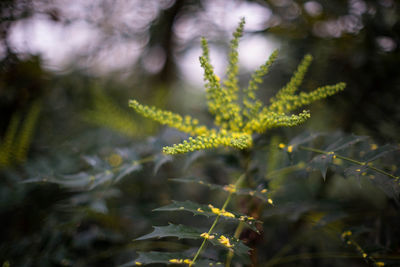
(288, 149)
(180, 261)
(186, 124)
(238, 122)
(231, 188)
(225, 241)
(221, 212)
(207, 236)
(252, 104)
(246, 218)
(211, 140)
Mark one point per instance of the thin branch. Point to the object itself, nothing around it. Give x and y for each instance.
(353, 161)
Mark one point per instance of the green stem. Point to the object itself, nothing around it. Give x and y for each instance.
(228, 199)
(350, 160)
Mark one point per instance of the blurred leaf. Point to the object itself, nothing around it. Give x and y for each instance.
(79, 181)
(100, 178)
(192, 158)
(160, 160)
(331, 217)
(94, 161)
(99, 206)
(321, 163)
(127, 169)
(345, 142)
(303, 138)
(390, 187)
(356, 171)
(378, 153)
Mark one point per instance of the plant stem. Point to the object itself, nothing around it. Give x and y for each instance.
(228, 199)
(350, 160)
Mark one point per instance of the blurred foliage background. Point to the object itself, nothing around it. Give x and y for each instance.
(68, 69)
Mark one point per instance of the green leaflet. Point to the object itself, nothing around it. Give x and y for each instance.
(179, 231)
(186, 232)
(205, 210)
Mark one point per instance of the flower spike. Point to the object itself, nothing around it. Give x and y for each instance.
(237, 122)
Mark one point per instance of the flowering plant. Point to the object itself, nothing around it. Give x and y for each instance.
(236, 123)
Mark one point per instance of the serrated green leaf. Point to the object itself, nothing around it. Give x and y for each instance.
(165, 257)
(174, 230)
(345, 142)
(321, 163)
(199, 209)
(186, 232)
